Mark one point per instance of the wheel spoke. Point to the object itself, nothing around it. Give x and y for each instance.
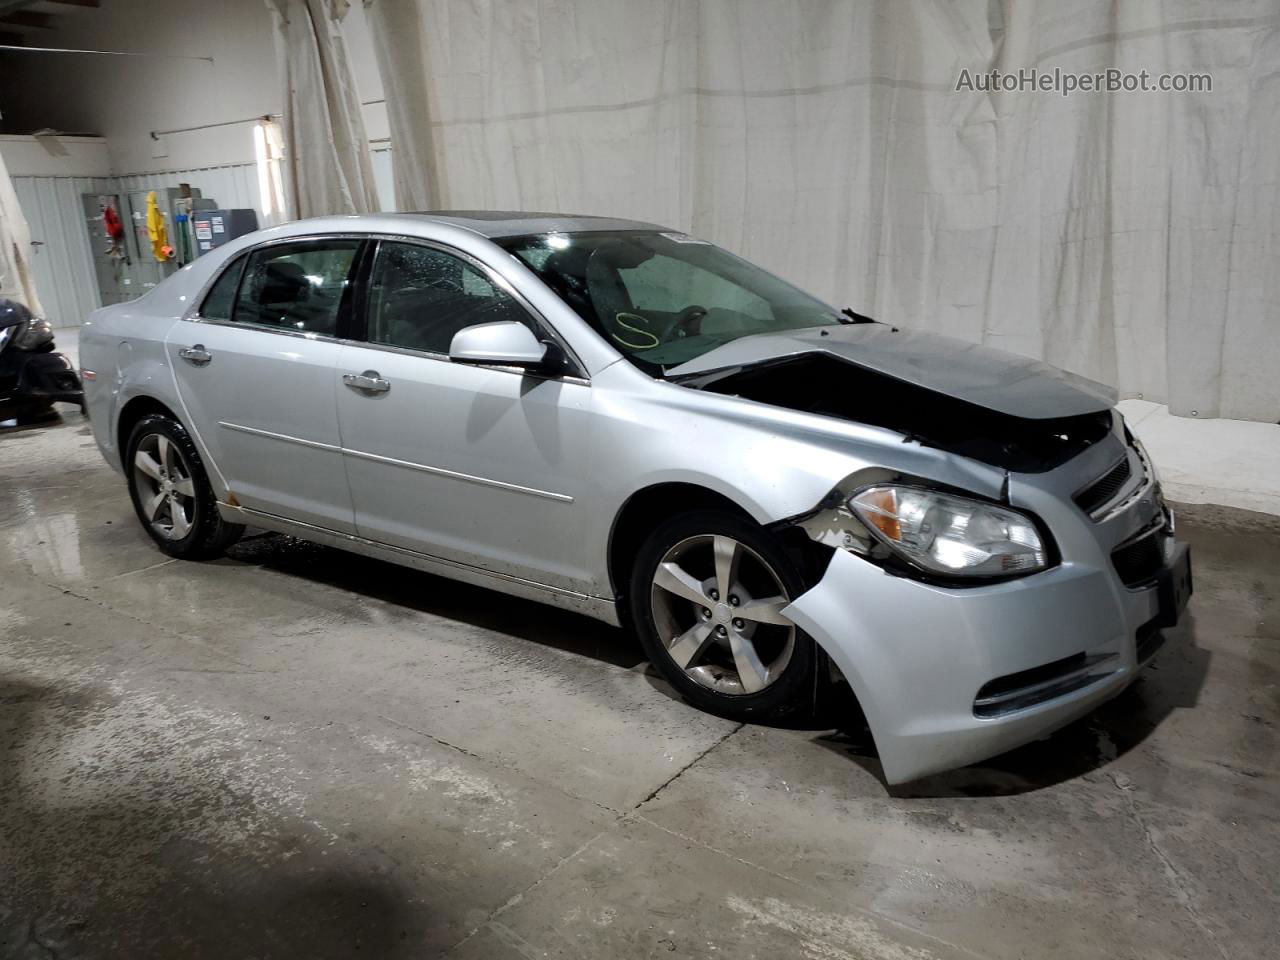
(152, 506)
(690, 645)
(147, 464)
(753, 674)
(165, 449)
(726, 551)
(672, 578)
(185, 487)
(180, 524)
(766, 610)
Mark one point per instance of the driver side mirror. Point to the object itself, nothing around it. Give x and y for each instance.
(504, 343)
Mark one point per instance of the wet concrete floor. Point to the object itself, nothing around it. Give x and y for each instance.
(295, 752)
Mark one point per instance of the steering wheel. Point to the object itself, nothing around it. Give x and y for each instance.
(689, 321)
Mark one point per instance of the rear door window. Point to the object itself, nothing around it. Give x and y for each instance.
(220, 299)
(300, 286)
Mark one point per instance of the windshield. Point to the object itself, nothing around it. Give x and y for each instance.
(663, 299)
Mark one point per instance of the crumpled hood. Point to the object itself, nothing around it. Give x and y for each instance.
(1000, 381)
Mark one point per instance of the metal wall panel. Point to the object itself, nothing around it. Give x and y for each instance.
(232, 186)
(63, 265)
(62, 262)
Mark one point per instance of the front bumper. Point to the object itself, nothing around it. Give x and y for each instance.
(917, 655)
(949, 676)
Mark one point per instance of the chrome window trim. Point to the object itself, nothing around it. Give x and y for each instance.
(197, 301)
(445, 358)
(579, 377)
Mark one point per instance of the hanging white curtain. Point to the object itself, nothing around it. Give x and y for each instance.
(326, 150)
(16, 279)
(1131, 237)
(268, 151)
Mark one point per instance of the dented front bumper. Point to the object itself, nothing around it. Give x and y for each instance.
(918, 655)
(948, 675)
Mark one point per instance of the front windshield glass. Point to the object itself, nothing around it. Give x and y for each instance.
(663, 299)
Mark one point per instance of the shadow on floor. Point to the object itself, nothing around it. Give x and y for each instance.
(136, 863)
(415, 590)
(1172, 681)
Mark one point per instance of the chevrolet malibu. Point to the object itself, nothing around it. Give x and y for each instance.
(629, 422)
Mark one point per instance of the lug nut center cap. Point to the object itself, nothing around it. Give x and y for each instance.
(722, 613)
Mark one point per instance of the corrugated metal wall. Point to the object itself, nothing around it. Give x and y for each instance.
(232, 186)
(64, 262)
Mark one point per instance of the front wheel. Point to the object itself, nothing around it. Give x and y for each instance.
(171, 492)
(707, 594)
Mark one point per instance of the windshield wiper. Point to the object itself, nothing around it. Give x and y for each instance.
(854, 317)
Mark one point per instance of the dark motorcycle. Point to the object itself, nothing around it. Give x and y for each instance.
(32, 375)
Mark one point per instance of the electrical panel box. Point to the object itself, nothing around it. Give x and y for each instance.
(108, 242)
(213, 228)
(124, 262)
(148, 271)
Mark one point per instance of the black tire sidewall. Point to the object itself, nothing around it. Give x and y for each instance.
(791, 691)
(200, 541)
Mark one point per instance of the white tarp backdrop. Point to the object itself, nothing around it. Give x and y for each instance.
(1131, 237)
(326, 152)
(16, 279)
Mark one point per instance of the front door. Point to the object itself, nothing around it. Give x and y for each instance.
(256, 370)
(480, 465)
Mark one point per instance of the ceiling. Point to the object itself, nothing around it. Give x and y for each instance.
(23, 22)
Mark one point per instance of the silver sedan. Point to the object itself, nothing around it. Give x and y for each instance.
(635, 424)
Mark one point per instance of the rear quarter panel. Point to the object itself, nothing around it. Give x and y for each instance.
(124, 346)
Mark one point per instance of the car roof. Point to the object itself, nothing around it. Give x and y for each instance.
(514, 223)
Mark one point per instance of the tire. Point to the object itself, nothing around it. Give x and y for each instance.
(672, 625)
(173, 479)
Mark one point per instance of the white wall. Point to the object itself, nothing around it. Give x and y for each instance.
(60, 157)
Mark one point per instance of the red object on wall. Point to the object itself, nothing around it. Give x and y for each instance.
(111, 220)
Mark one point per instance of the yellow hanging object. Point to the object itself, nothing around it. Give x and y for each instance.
(156, 230)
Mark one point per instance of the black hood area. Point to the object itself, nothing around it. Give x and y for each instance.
(823, 384)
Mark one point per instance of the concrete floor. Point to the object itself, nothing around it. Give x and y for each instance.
(295, 752)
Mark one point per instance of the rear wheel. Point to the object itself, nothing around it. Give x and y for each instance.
(171, 492)
(707, 595)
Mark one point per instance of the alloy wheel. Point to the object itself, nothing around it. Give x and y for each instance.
(717, 606)
(166, 491)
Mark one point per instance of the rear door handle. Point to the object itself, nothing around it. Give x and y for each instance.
(197, 355)
(370, 381)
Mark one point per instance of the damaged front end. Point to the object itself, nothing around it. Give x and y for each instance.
(828, 385)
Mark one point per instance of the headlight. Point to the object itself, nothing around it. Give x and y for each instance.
(951, 535)
(32, 335)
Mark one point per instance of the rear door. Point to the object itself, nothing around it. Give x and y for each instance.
(256, 370)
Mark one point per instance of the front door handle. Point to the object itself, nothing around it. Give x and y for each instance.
(370, 382)
(197, 355)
